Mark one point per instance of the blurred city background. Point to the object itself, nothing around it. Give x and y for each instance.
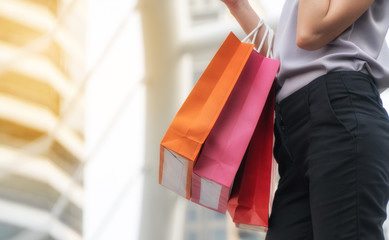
(87, 90)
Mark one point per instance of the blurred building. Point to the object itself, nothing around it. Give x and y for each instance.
(204, 224)
(41, 127)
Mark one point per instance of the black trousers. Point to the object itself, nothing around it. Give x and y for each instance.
(332, 147)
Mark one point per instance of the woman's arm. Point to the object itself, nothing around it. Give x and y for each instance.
(247, 18)
(321, 21)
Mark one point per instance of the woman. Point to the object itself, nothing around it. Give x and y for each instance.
(332, 133)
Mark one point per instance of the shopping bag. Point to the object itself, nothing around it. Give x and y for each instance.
(253, 190)
(185, 136)
(223, 150)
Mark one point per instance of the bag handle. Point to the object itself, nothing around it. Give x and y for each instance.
(269, 34)
(270, 41)
(254, 31)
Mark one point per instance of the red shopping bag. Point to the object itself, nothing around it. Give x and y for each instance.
(223, 151)
(251, 197)
(185, 136)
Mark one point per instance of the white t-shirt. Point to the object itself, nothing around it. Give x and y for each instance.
(361, 47)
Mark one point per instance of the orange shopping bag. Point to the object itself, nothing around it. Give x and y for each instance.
(184, 138)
